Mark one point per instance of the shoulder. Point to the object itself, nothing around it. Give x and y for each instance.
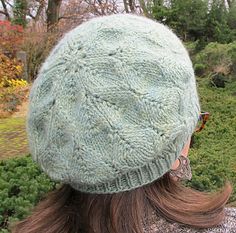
(229, 223)
(160, 225)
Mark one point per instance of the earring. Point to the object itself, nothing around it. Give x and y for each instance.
(183, 171)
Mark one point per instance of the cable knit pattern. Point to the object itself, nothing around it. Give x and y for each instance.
(113, 104)
(160, 225)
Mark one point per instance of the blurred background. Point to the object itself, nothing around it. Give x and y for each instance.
(30, 28)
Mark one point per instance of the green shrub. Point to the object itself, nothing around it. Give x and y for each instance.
(191, 47)
(22, 185)
(213, 156)
(195, 47)
(199, 69)
(218, 58)
(232, 53)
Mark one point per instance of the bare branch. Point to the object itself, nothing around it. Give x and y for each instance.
(68, 17)
(8, 3)
(2, 12)
(5, 10)
(29, 14)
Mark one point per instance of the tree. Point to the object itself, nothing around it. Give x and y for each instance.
(129, 6)
(187, 18)
(217, 28)
(53, 11)
(232, 15)
(201, 20)
(230, 3)
(18, 11)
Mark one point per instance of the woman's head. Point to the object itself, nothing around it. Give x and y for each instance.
(112, 109)
(113, 105)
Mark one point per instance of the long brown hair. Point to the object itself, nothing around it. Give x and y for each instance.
(69, 211)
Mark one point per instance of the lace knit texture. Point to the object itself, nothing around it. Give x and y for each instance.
(160, 225)
(113, 105)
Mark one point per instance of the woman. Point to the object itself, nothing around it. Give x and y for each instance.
(111, 116)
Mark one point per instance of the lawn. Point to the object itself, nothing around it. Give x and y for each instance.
(13, 140)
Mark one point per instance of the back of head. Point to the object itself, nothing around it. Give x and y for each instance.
(113, 105)
(110, 111)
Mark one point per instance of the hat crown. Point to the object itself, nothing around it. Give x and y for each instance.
(113, 104)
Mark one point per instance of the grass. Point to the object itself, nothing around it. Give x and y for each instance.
(13, 139)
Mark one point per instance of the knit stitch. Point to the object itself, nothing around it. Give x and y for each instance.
(113, 104)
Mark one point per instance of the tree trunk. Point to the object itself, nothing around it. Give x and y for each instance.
(53, 11)
(144, 8)
(230, 2)
(131, 5)
(126, 6)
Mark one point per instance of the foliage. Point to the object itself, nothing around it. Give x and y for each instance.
(10, 69)
(12, 88)
(11, 98)
(191, 47)
(200, 20)
(232, 17)
(22, 185)
(232, 54)
(11, 37)
(20, 10)
(213, 157)
(14, 83)
(217, 58)
(38, 46)
(199, 69)
(188, 18)
(217, 28)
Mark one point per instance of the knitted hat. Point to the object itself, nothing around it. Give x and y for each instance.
(113, 105)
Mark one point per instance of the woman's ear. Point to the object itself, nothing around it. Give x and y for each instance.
(184, 152)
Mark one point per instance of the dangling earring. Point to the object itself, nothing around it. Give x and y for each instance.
(183, 171)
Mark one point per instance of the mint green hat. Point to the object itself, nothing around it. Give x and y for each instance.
(113, 105)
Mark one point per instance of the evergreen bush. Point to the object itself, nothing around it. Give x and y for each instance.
(199, 69)
(22, 185)
(217, 58)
